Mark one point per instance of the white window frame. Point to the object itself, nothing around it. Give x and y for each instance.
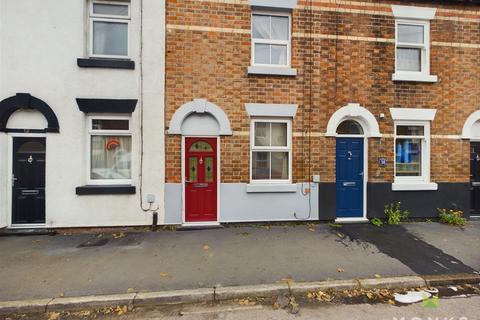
(93, 17)
(425, 145)
(424, 47)
(91, 132)
(254, 148)
(271, 41)
(424, 74)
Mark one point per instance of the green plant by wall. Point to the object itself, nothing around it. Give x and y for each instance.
(394, 214)
(377, 222)
(452, 217)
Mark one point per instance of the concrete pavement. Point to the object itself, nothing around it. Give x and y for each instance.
(86, 264)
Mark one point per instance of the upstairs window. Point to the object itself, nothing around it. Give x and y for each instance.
(109, 29)
(110, 144)
(271, 151)
(412, 48)
(412, 43)
(271, 40)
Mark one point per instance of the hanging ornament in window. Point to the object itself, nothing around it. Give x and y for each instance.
(30, 159)
(112, 144)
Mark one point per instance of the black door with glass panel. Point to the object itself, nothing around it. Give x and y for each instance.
(475, 178)
(28, 180)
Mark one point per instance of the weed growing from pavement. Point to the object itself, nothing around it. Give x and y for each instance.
(452, 217)
(377, 222)
(394, 213)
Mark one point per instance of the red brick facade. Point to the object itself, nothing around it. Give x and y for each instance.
(344, 53)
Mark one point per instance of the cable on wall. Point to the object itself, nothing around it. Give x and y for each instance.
(141, 117)
(306, 132)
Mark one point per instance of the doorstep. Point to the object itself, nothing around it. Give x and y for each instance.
(199, 226)
(17, 231)
(351, 220)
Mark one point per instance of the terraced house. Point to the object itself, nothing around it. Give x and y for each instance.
(325, 109)
(81, 112)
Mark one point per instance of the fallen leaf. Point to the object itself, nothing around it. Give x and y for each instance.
(119, 235)
(35, 241)
(206, 247)
(62, 294)
(377, 276)
(53, 316)
(130, 290)
(340, 270)
(311, 229)
(100, 235)
(121, 310)
(164, 274)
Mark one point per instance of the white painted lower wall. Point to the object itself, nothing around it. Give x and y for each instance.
(32, 61)
(237, 205)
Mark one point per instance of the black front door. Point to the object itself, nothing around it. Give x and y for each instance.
(28, 180)
(475, 178)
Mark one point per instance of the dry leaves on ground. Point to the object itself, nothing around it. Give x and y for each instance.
(118, 235)
(53, 316)
(121, 310)
(246, 302)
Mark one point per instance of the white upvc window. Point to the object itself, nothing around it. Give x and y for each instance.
(109, 150)
(412, 43)
(109, 29)
(412, 156)
(412, 47)
(271, 151)
(271, 39)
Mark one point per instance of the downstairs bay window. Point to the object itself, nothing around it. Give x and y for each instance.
(110, 151)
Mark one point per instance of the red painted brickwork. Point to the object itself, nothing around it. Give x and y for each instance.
(211, 64)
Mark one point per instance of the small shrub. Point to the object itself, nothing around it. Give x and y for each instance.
(376, 222)
(452, 217)
(394, 214)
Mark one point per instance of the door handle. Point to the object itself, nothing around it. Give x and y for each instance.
(475, 184)
(13, 180)
(30, 192)
(349, 184)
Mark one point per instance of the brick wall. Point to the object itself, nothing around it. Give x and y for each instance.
(349, 58)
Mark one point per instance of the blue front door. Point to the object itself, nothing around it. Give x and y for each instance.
(349, 177)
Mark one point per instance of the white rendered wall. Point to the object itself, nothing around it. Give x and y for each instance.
(40, 43)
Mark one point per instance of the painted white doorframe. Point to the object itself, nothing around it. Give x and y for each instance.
(9, 212)
(365, 176)
(183, 182)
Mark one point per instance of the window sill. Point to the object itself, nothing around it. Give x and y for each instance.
(413, 76)
(106, 63)
(272, 71)
(412, 186)
(105, 189)
(268, 188)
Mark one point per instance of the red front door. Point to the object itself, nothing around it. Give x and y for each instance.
(200, 179)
